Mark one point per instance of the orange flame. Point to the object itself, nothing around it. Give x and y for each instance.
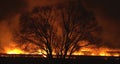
(89, 50)
(15, 51)
(83, 51)
(98, 52)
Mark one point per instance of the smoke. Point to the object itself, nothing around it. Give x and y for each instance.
(10, 11)
(33, 3)
(8, 8)
(107, 14)
(6, 29)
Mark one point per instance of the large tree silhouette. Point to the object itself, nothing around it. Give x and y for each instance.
(59, 28)
(78, 24)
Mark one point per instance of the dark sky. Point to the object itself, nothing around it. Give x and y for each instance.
(11, 7)
(107, 13)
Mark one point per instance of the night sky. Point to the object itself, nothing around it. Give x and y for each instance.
(107, 13)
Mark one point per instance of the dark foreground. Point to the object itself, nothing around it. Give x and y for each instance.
(74, 60)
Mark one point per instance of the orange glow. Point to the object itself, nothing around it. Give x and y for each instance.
(98, 52)
(88, 50)
(19, 51)
(116, 55)
(15, 51)
(83, 51)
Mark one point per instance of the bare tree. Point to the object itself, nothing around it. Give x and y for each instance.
(74, 24)
(37, 28)
(77, 24)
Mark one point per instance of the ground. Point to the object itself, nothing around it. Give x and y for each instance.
(74, 60)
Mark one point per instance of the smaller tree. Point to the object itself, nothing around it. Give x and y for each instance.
(37, 28)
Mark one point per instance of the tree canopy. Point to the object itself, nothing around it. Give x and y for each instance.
(59, 29)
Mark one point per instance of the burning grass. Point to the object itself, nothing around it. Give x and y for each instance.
(102, 51)
(85, 51)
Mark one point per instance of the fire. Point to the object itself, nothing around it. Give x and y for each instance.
(83, 51)
(88, 50)
(98, 52)
(15, 51)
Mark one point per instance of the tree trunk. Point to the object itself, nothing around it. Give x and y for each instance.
(65, 54)
(50, 53)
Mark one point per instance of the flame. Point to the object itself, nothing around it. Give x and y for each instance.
(89, 51)
(103, 51)
(15, 51)
(19, 51)
(83, 51)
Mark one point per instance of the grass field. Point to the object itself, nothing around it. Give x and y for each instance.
(74, 60)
